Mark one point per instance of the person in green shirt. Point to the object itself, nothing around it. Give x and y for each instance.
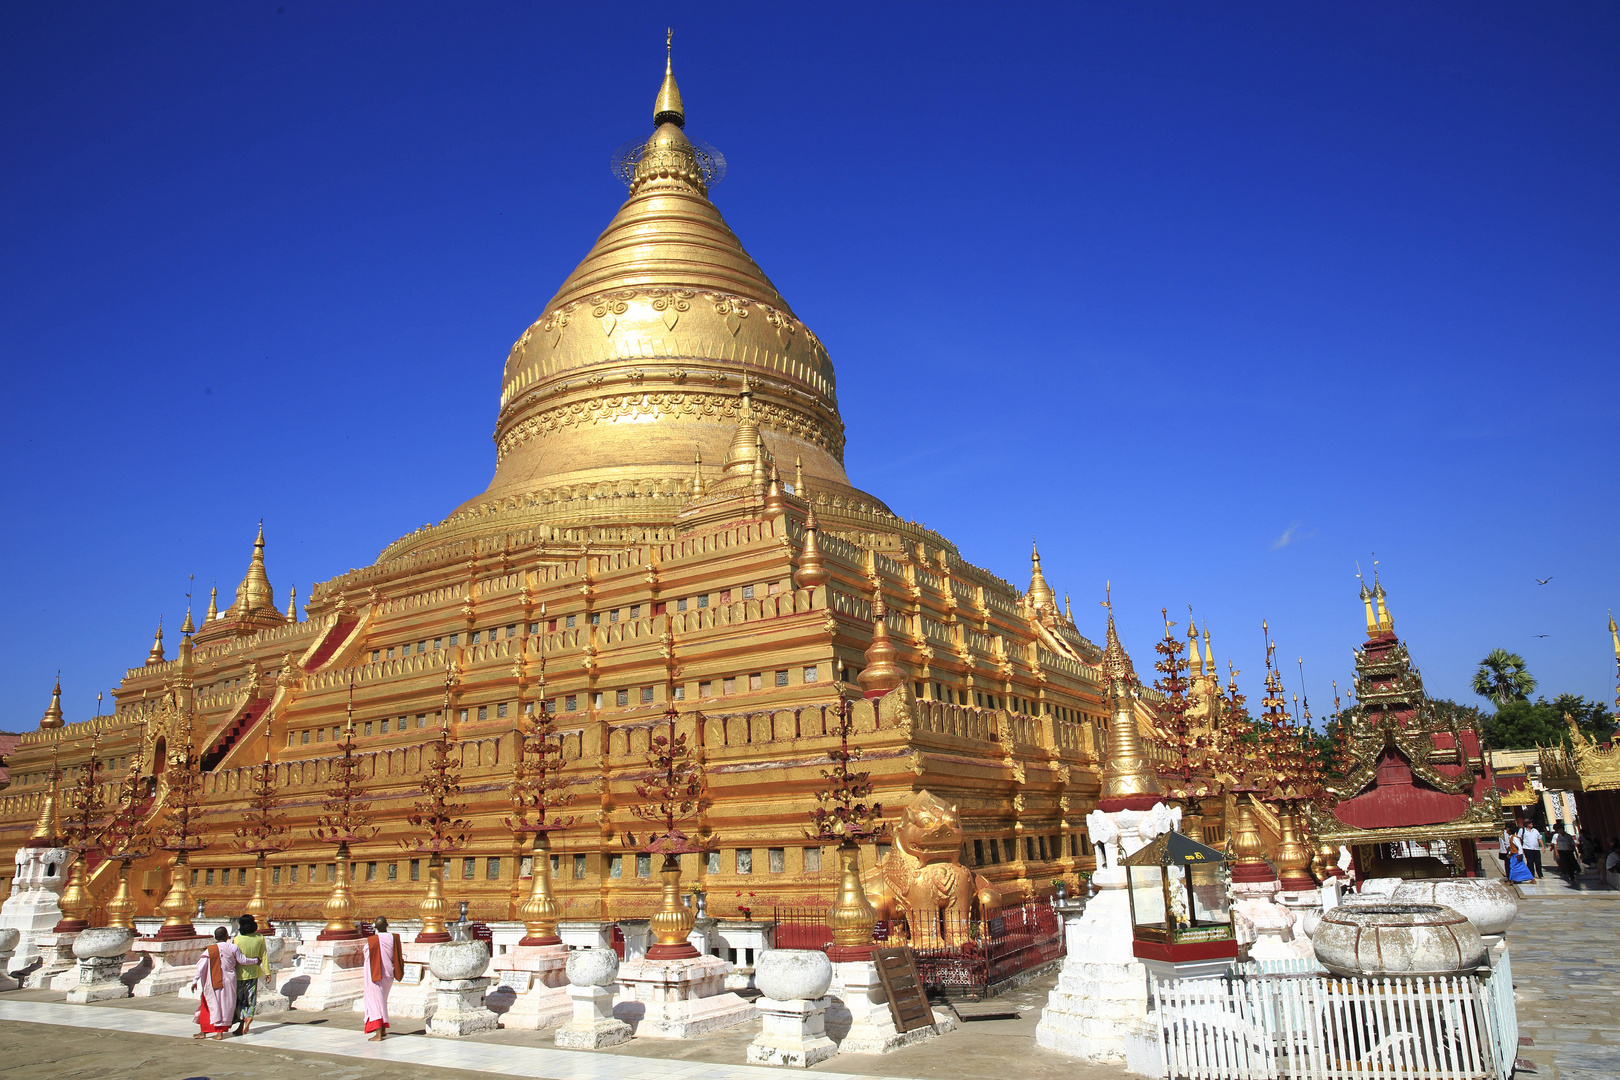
(251, 942)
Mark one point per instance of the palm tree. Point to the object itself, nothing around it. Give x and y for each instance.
(1502, 678)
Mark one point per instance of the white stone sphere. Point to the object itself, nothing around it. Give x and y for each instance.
(1489, 904)
(593, 967)
(102, 941)
(792, 974)
(458, 960)
(1383, 940)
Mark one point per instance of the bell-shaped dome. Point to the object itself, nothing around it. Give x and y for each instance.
(636, 365)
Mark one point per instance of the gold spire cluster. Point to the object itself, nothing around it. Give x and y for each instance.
(1041, 596)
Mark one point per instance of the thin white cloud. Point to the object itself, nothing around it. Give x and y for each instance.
(1289, 535)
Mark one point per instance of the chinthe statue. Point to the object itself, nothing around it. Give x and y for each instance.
(922, 879)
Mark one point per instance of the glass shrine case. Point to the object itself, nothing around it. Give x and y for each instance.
(1180, 899)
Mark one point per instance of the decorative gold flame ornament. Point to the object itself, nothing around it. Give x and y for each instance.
(437, 813)
(842, 813)
(263, 833)
(534, 794)
(126, 839)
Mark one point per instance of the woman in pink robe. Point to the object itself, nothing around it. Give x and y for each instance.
(216, 978)
(381, 965)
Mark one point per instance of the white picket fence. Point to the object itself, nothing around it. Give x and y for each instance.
(1304, 1024)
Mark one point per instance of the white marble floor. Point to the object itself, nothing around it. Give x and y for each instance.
(496, 1060)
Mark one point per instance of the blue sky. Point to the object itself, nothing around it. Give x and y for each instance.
(1213, 300)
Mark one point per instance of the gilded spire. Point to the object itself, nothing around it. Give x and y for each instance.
(45, 832)
(292, 603)
(667, 108)
(745, 444)
(1128, 774)
(156, 655)
(798, 477)
(1041, 596)
(758, 474)
(1367, 602)
(53, 715)
(213, 605)
(881, 674)
(773, 495)
(811, 570)
(1385, 622)
(254, 596)
(1195, 663)
(1209, 654)
(698, 490)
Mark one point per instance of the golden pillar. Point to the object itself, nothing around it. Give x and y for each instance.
(176, 906)
(673, 921)
(339, 907)
(75, 901)
(258, 905)
(1248, 846)
(1293, 857)
(852, 917)
(539, 912)
(434, 907)
(121, 908)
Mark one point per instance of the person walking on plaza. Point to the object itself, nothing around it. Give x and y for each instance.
(1564, 852)
(251, 944)
(1611, 861)
(384, 962)
(1529, 838)
(216, 979)
(1513, 859)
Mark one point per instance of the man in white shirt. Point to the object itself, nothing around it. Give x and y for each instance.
(1564, 851)
(1529, 838)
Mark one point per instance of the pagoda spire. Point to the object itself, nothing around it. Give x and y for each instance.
(1041, 596)
(881, 674)
(1128, 780)
(254, 596)
(213, 604)
(53, 714)
(1209, 653)
(811, 570)
(1367, 603)
(186, 627)
(1195, 663)
(667, 107)
(156, 655)
(292, 603)
(698, 490)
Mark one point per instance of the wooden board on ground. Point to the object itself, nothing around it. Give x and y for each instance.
(908, 1003)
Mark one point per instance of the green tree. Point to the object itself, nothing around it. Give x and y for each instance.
(1525, 725)
(1502, 678)
(1592, 717)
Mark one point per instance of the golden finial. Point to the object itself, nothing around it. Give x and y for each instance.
(811, 571)
(1195, 663)
(213, 604)
(773, 495)
(1614, 633)
(758, 477)
(46, 829)
(881, 674)
(1041, 596)
(698, 490)
(798, 477)
(254, 596)
(186, 629)
(156, 655)
(1068, 609)
(292, 603)
(53, 715)
(667, 108)
(1366, 602)
(1209, 653)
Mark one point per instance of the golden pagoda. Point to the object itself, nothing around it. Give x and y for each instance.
(638, 548)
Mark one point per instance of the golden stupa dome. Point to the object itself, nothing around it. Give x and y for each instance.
(636, 366)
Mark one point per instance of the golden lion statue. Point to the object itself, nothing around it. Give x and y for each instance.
(922, 879)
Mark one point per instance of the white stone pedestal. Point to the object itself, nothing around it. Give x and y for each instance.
(679, 999)
(593, 1026)
(794, 1033)
(637, 935)
(858, 1017)
(10, 937)
(533, 986)
(1102, 987)
(585, 933)
(173, 963)
(460, 1008)
(98, 981)
(32, 908)
(55, 953)
(741, 942)
(1264, 924)
(331, 975)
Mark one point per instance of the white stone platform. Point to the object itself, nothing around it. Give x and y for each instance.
(679, 999)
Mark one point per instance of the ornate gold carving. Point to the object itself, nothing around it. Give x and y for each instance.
(923, 879)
